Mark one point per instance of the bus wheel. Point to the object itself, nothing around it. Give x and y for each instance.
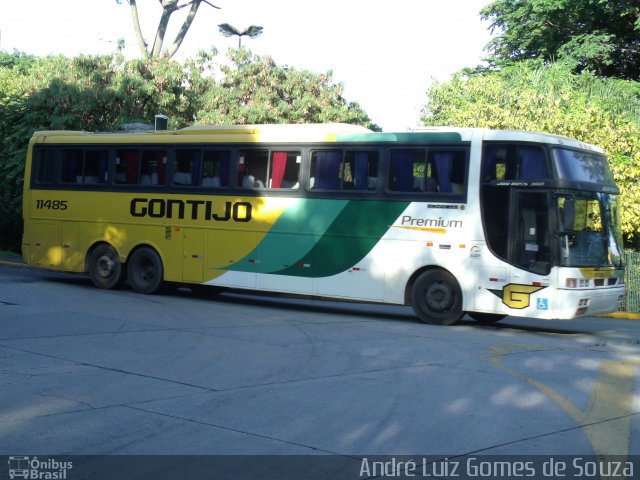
(437, 298)
(105, 268)
(145, 271)
(486, 318)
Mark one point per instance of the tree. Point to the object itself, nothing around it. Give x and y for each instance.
(169, 7)
(527, 96)
(602, 36)
(100, 93)
(255, 89)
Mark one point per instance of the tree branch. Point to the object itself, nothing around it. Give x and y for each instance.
(168, 8)
(136, 27)
(184, 29)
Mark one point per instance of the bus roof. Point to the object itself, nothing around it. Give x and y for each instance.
(293, 133)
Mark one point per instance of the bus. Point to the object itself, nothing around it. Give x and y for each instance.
(451, 221)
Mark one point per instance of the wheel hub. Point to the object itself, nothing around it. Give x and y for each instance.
(105, 266)
(439, 297)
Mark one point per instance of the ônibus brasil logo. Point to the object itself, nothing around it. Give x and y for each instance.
(38, 469)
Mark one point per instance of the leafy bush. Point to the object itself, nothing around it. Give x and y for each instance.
(530, 96)
(100, 93)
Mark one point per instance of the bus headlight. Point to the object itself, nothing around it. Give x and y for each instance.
(577, 283)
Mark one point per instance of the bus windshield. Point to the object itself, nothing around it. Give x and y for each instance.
(581, 166)
(589, 230)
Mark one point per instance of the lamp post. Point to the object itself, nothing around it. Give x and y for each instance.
(228, 31)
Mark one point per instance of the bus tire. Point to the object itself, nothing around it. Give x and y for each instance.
(105, 269)
(437, 298)
(145, 271)
(486, 318)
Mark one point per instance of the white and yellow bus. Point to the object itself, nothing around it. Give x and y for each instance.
(450, 221)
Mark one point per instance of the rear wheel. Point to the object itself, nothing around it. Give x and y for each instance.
(105, 269)
(145, 271)
(436, 298)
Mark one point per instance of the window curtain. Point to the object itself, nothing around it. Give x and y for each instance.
(443, 162)
(102, 167)
(489, 164)
(278, 165)
(162, 167)
(131, 159)
(70, 160)
(402, 171)
(361, 170)
(532, 164)
(225, 161)
(242, 167)
(197, 167)
(328, 170)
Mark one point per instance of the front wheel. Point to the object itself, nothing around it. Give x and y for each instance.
(436, 298)
(145, 271)
(105, 269)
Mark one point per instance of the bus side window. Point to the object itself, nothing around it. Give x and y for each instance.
(188, 167)
(514, 162)
(153, 167)
(446, 171)
(95, 166)
(284, 171)
(252, 168)
(408, 172)
(360, 171)
(43, 168)
(532, 164)
(215, 168)
(127, 166)
(324, 172)
(84, 166)
(71, 171)
(497, 163)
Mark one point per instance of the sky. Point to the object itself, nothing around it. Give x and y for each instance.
(386, 53)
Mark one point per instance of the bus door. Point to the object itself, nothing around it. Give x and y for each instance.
(531, 241)
(517, 233)
(530, 251)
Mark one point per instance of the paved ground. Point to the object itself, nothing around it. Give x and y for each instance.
(85, 371)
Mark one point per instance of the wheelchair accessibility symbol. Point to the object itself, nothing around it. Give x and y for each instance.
(543, 304)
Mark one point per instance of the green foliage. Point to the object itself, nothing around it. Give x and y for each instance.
(256, 90)
(602, 36)
(526, 96)
(100, 93)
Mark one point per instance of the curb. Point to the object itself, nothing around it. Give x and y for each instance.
(16, 263)
(623, 315)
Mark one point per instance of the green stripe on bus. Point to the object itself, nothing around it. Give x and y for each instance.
(349, 239)
(441, 137)
(292, 236)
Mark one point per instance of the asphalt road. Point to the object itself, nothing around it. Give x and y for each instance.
(90, 372)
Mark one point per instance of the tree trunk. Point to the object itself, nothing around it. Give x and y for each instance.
(136, 27)
(168, 7)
